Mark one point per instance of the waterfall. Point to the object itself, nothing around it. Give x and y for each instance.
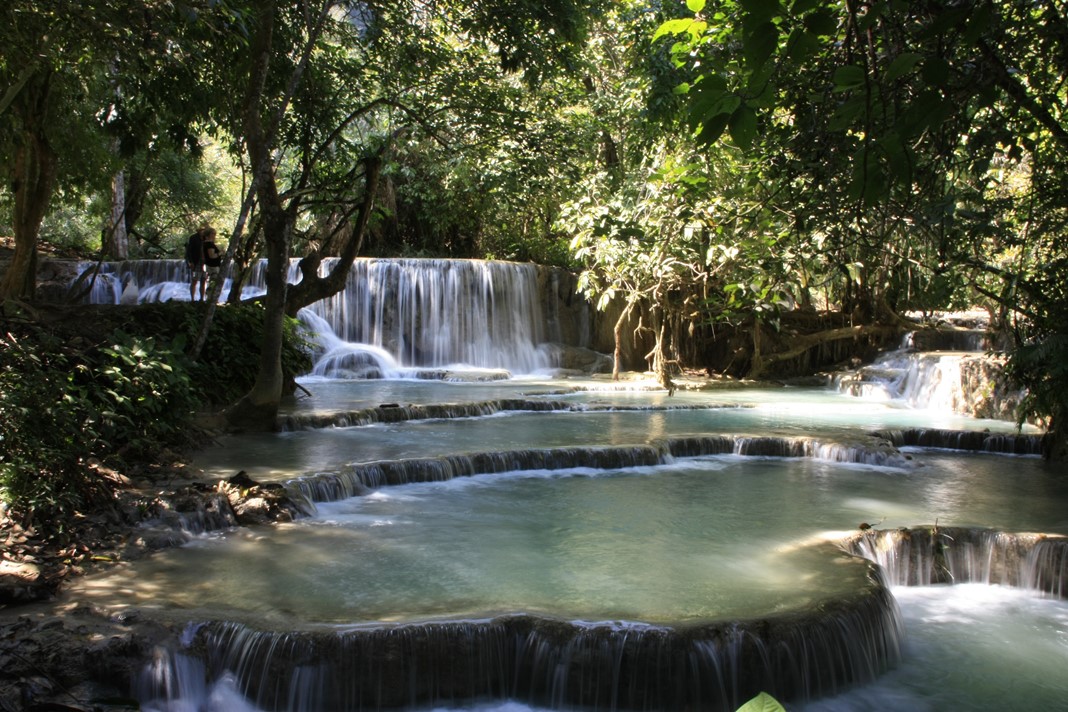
(922, 556)
(970, 440)
(361, 478)
(544, 661)
(941, 370)
(438, 313)
(395, 315)
(918, 380)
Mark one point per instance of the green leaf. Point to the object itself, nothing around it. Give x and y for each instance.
(711, 99)
(902, 65)
(743, 126)
(898, 158)
(760, 10)
(711, 129)
(673, 27)
(760, 44)
(936, 71)
(695, 5)
(803, 45)
(848, 77)
(847, 114)
(821, 22)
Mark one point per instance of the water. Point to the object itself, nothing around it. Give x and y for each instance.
(679, 582)
(972, 648)
(679, 543)
(753, 411)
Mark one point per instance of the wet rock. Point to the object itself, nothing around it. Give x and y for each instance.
(72, 660)
(255, 503)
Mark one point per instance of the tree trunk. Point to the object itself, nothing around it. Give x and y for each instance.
(117, 244)
(756, 360)
(258, 410)
(33, 178)
(261, 119)
(617, 335)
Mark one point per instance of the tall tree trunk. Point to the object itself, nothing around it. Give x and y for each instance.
(617, 336)
(261, 118)
(259, 408)
(117, 244)
(33, 178)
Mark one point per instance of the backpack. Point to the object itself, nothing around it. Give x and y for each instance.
(212, 257)
(194, 249)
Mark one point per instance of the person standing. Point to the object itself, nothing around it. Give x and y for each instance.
(212, 257)
(194, 259)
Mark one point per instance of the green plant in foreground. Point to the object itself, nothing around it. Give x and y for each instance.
(144, 401)
(67, 401)
(43, 440)
(762, 703)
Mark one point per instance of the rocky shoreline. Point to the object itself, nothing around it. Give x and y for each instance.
(57, 655)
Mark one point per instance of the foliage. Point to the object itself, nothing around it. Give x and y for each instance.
(64, 405)
(228, 362)
(42, 464)
(762, 703)
(227, 365)
(67, 401)
(894, 133)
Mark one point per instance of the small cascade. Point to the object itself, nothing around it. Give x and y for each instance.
(922, 556)
(942, 370)
(331, 487)
(871, 451)
(541, 661)
(396, 413)
(193, 513)
(361, 478)
(918, 380)
(969, 440)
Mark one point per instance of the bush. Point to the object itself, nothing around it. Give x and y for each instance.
(69, 396)
(43, 472)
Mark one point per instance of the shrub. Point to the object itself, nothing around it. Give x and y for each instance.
(43, 472)
(69, 395)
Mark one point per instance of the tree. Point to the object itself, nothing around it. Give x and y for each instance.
(289, 42)
(84, 86)
(899, 119)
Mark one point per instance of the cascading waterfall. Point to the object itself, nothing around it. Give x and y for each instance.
(365, 477)
(922, 556)
(403, 317)
(957, 378)
(396, 314)
(919, 380)
(597, 666)
(437, 313)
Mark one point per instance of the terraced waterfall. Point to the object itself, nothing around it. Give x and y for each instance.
(485, 529)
